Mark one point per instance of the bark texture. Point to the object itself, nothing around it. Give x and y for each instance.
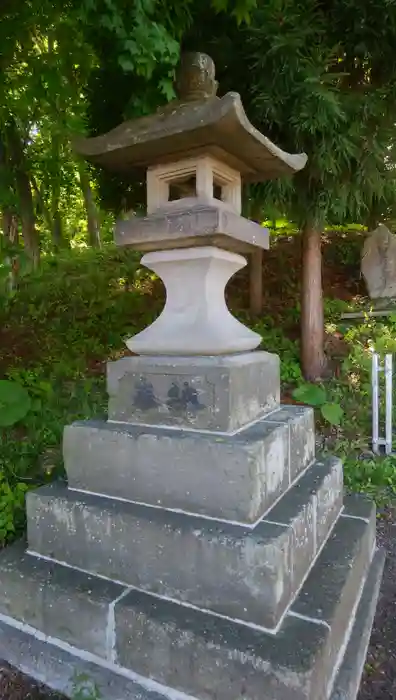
(312, 320)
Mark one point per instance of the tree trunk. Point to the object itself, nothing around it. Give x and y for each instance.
(58, 239)
(9, 225)
(312, 320)
(40, 203)
(24, 192)
(8, 220)
(256, 282)
(92, 213)
(28, 222)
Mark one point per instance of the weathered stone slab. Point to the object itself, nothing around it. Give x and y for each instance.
(206, 393)
(61, 670)
(359, 505)
(301, 422)
(194, 223)
(244, 573)
(219, 659)
(51, 664)
(57, 600)
(348, 678)
(378, 264)
(233, 477)
(352, 541)
(310, 508)
(227, 568)
(333, 588)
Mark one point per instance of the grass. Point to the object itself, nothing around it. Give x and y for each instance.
(56, 334)
(70, 317)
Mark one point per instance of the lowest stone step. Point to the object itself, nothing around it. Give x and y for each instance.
(245, 573)
(199, 653)
(232, 477)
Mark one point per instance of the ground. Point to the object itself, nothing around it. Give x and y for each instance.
(72, 315)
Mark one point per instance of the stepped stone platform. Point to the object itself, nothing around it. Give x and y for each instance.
(211, 558)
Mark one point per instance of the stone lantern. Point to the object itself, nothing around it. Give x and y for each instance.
(200, 549)
(195, 152)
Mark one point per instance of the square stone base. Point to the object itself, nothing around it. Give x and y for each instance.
(221, 393)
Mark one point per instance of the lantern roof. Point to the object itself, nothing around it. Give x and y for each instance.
(197, 122)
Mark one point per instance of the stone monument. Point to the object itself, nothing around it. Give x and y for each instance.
(378, 264)
(200, 550)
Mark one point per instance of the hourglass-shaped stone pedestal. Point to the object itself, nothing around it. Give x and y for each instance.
(195, 320)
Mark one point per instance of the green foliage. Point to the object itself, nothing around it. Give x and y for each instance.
(65, 321)
(240, 9)
(311, 394)
(375, 476)
(12, 506)
(76, 306)
(320, 84)
(316, 396)
(84, 688)
(14, 403)
(362, 470)
(347, 252)
(60, 63)
(317, 83)
(274, 340)
(332, 412)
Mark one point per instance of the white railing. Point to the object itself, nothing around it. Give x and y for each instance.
(377, 368)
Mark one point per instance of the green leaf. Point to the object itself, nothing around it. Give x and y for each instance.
(332, 412)
(310, 394)
(220, 5)
(14, 403)
(242, 11)
(167, 89)
(126, 64)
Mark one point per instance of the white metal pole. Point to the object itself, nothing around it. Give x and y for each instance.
(388, 403)
(375, 402)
